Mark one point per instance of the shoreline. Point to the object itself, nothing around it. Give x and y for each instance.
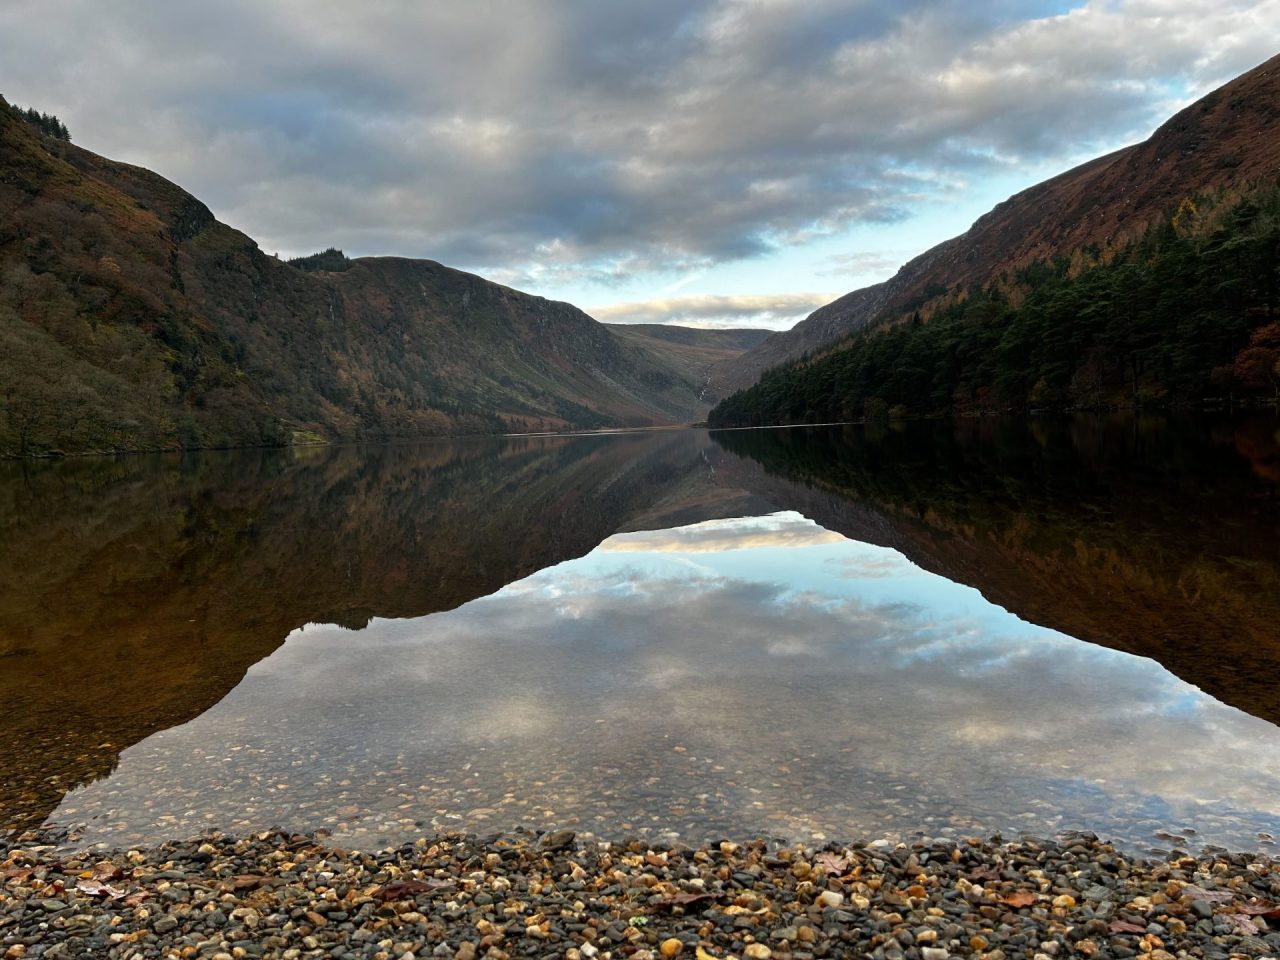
(522, 894)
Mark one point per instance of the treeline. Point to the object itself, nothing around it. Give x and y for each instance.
(331, 260)
(1189, 312)
(46, 123)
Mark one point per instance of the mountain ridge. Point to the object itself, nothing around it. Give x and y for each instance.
(132, 318)
(1222, 140)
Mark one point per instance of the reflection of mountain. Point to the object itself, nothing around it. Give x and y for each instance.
(137, 592)
(1152, 538)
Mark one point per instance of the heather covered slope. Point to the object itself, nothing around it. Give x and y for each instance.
(1225, 143)
(130, 318)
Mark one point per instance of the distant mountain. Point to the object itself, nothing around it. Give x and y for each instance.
(694, 352)
(130, 318)
(1224, 144)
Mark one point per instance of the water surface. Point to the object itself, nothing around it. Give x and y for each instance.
(788, 633)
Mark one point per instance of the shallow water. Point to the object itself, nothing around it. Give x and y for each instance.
(725, 665)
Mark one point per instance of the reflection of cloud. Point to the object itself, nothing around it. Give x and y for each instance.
(871, 566)
(746, 666)
(787, 529)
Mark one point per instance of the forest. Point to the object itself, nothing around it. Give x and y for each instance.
(46, 123)
(1187, 313)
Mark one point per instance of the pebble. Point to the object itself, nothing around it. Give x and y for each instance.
(523, 894)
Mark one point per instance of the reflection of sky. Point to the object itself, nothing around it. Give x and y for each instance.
(760, 645)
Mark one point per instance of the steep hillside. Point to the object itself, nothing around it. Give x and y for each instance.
(130, 318)
(1225, 142)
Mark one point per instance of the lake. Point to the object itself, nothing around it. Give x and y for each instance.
(939, 629)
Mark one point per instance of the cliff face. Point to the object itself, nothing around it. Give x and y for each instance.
(1226, 141)
(131, 318)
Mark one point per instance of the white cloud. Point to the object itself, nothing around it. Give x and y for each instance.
(776, 311)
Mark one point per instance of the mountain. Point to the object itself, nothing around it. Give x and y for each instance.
(131, 318)
(1226, 143)
(696, 353)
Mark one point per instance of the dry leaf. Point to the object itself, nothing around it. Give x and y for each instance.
(93, 888)
(1243, 925)
(1209, 896)
(400, 889)
(1023, 898)
(832, 863)
(1124, 926)
(687, 899)
(1259, 908)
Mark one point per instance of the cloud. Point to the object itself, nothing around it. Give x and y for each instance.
(567, 141)
(776, 311)
(863, 262)
(780, 530)
(786, 687)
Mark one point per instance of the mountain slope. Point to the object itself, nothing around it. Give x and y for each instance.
(130, 318)
(696, 353)
(1222, 142)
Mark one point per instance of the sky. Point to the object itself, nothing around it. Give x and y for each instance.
(709, 162)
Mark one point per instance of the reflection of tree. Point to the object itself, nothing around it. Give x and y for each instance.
(1257, 366)
(1147, 535)
(135, 592)
(1259, 442)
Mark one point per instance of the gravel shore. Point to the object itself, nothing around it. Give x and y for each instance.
(524, 895)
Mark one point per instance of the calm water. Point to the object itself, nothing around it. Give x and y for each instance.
(939, 628)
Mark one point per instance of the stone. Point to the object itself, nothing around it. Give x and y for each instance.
(671, 947)
(165, 924)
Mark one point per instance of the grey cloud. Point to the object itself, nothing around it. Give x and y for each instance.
(561, 141)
